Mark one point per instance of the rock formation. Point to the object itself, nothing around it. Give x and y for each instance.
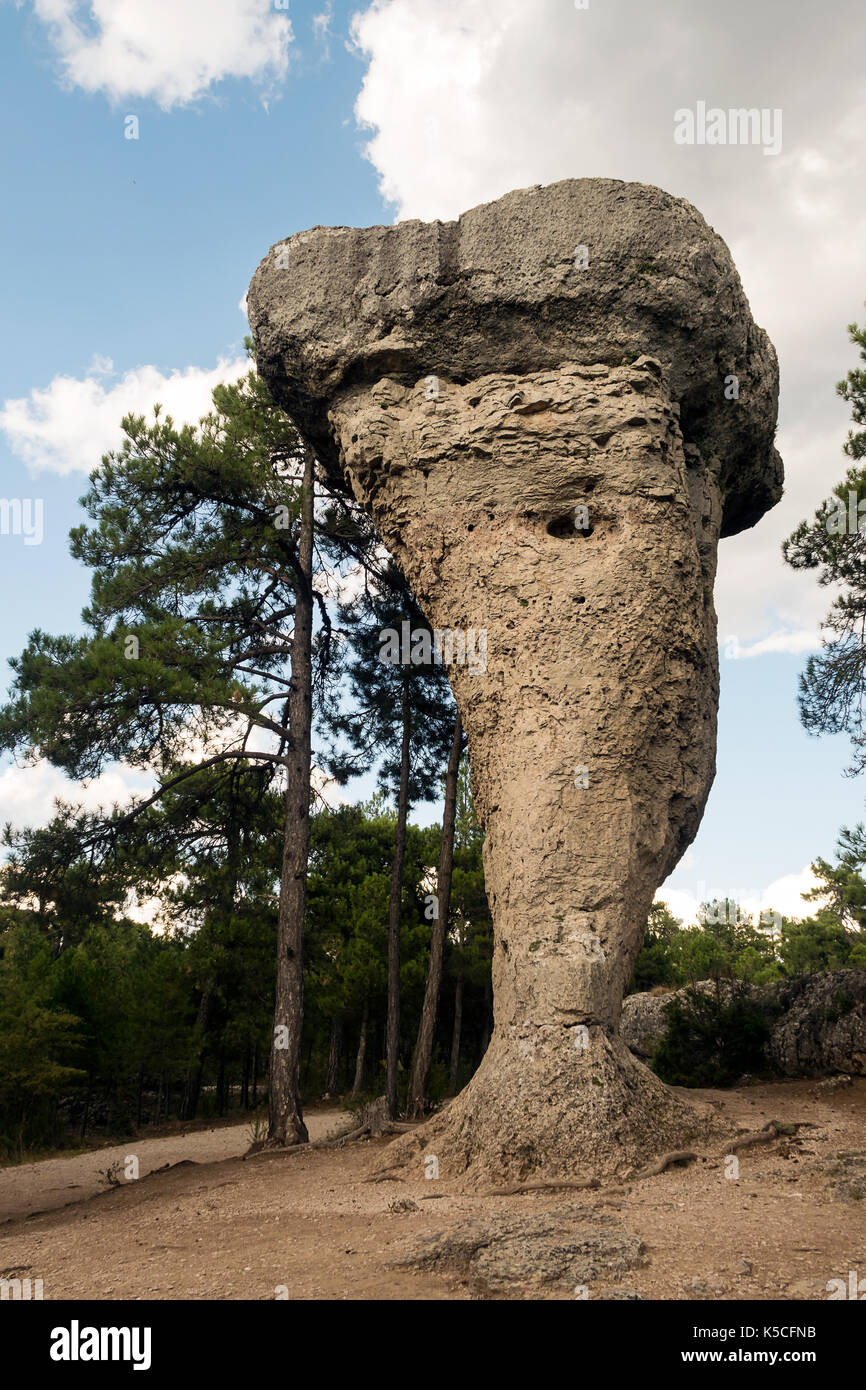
(514, 1254)
(817, 1023)
(552, 409)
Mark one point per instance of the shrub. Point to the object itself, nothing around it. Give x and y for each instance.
(712, 1040)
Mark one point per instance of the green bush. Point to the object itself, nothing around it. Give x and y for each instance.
(712, 1040)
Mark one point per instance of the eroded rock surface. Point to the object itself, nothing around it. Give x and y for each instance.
(550, 455)
(570, 1246)
(818, 1022)
(501, 289)
(848, 1176)
(823, 1024)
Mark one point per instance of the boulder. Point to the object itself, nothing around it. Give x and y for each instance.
(573, 1247)
(818, 1022)
(823, 1025)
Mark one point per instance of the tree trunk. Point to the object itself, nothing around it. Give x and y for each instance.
(221, 1084)
(359, 1060)
(86, 1115)
(455, 1036)
(192, 1089)
(245, 1081)
(286, 1121)
(335, 1050)
(420, 1074)
(392, 1032)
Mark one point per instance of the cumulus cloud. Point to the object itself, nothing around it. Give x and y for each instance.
(28, 793)
(69, 424)
(784, 895)
(467, 99)
(171, 51)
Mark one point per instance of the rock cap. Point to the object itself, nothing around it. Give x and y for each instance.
(585, 271)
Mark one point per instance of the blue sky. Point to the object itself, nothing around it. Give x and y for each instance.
(140, 250)
(125, 261)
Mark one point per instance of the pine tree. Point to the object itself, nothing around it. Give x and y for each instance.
(199, 634)
(419, 1077)
(400, 702)
(832, 696)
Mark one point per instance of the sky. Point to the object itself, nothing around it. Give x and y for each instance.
(151, 152)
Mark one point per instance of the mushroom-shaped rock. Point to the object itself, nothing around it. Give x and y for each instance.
(551, 408)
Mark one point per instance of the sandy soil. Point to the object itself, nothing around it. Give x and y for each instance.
(54, 1182)
(309, 1223)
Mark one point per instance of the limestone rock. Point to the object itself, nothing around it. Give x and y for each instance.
(399, 1205)
(818, 1023)
(823, 1026)
(848, 1176)
(550, 455)
(500, 290)
(568, 1246)
(831, 1084)
(643, 1023)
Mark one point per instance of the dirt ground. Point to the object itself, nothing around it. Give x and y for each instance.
(307, 1226)
(55, 1182)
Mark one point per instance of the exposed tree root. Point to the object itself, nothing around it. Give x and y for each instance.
(258, 1150)
(666, 1160)
(374, 1121)
(770, 1131)
(573, 1184)
(773, 1130)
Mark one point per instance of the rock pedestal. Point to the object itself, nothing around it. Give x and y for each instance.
(551, 452)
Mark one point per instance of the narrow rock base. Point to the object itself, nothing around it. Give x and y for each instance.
(542, 1109)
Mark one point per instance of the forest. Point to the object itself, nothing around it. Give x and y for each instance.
(244, 936)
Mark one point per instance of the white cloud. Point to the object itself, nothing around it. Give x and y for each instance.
(322, 28)
(467, 99)
(783, 895)
(28, 793)
(683, 905)
(806, 640)
(171, 51)
(69, 424)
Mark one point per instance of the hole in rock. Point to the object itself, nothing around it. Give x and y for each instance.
(563, 527)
